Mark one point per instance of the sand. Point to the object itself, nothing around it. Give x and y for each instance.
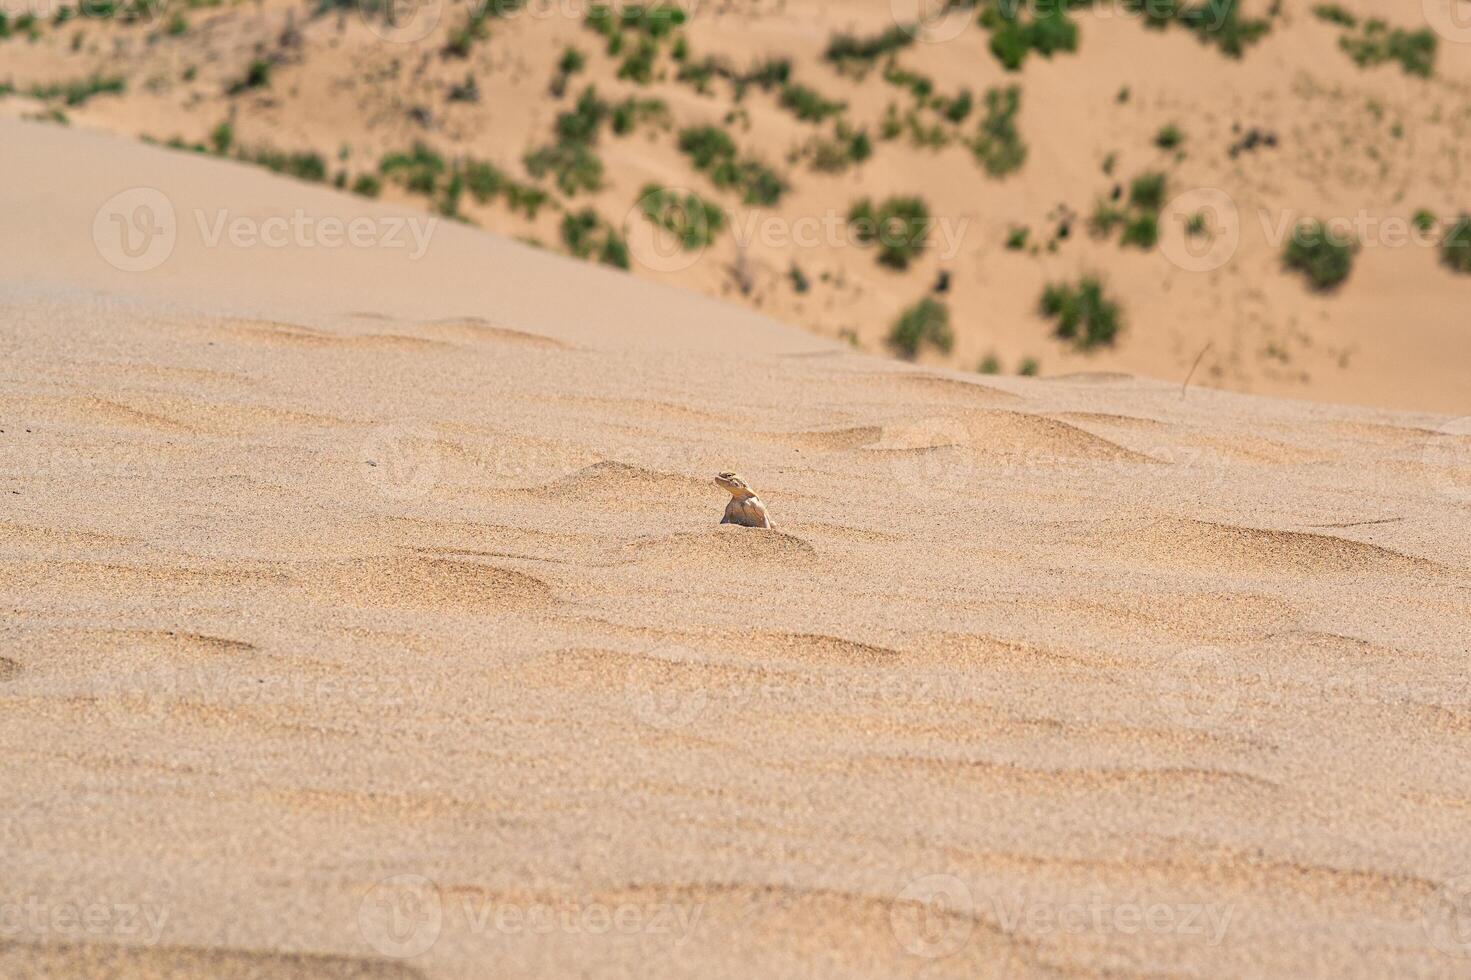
(369, 617)
(1369, 146)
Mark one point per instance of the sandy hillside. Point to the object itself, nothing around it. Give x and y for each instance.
(1291, 129)
(366, 616)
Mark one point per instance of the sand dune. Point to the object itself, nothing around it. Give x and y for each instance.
(367, 617)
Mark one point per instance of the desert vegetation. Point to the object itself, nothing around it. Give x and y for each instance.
(926, 323)
(713, 153)
(1455, 247)
(899, 226)
(694, 220)
(1084, 315)
(1322, 256)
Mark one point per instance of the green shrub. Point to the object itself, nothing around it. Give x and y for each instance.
(574, 165)
(1334, 14)
(79, 91)
(1158, 14)
(1424, 219)
(856, 55)
(1142, 231)
(417, 171)
(625, 116)
(222, 137)
(705, 145)
(807, 104)
(587, 236)
(920, 86)
(713, 152)
(926, 322)
(302, 166)
(690, 217)
(582, 122)
(1105, 219)
(1219, 22)
(367, 185)
(638, 64)
(571, 62)
(1016, 239)
(462, 39)
(1169, 138)
(1013, 37)
(900, 226)
(484, 181)
(1028, 367)
(845, 149)
(466, 91)
(1084, 315)
(571, 159)
(767, 75)
(257, 75)
(1455, 248)
(656, 21)
(1378, 43)
(998, 146)
(957, 109)
(1147, 192)
(1320, 255)
(990, 364)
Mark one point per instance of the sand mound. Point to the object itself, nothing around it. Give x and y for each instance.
(720, 546)
(267, 333)
(419, 582)
(832, 440)
(482, 331)
(631, 486)
(1206, 546)
(938, 386)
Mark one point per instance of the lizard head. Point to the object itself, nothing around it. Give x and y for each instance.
(732, 482)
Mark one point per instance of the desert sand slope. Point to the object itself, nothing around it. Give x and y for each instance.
(367, 617)
(1293, 129)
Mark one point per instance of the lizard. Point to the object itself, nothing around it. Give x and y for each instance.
(744, 508)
